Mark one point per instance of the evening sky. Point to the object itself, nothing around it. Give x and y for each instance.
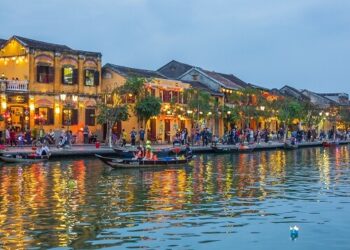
(302, 43)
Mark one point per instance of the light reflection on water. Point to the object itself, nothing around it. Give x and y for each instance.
(246, 200)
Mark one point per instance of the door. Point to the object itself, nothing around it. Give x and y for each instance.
(167, 130)
(153, 130)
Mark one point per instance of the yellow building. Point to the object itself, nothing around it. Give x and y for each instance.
(49, 85)
(163, 127)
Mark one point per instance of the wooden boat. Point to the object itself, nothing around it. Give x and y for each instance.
(330, 143)
(133, 163)
(23, 158)
(122, 152)
(290, 146)
(245, 148)
(225, 149)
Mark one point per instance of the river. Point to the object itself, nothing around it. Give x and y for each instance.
(239, 201)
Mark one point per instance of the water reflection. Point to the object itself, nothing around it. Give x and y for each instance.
(80, 204)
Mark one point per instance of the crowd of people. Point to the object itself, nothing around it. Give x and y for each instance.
(60, 138)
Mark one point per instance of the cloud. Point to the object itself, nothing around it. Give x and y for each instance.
(270, 42)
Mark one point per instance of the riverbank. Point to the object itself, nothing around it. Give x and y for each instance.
(90, 150)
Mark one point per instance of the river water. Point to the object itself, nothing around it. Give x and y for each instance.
(245, 201)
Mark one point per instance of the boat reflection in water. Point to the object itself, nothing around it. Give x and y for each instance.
(241, 199)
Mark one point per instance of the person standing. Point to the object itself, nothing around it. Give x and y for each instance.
(142, 135)
(123, 137)
(133, 134)
(7, 136)
(86, 134)
(13, 137)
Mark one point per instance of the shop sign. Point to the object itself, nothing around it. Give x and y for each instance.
(18, 99)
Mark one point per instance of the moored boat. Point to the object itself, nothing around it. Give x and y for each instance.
(290, 146)
(23, 158)
(245, 148)
(122, 152)
(134, 163)
(225, 149)
(330, 143)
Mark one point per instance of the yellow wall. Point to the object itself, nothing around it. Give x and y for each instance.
(19, 62)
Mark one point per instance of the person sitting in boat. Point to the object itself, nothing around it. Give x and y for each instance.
(149, 155)
(139, 154)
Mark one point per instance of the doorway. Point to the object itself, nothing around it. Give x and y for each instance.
(167, 130)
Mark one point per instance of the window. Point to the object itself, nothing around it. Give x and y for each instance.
(90, 117)
(45, 74)
(44, 116)
(175, 97)
(69, 117)
(92, 77)
(69, 75)
(166, 96)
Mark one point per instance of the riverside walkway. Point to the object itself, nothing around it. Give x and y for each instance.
(88, 150)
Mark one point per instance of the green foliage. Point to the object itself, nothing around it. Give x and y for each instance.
(344, 114)
(111, 114)
(2, 118)
(199, 101)
(134, 86)
(289, 110)
(147, 107)
(248, 102)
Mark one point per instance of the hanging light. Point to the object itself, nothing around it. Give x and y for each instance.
(63, 96)
(74, 98)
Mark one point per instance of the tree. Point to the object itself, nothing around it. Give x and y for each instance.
(344, 114)
(249, 100)
(288, 111)
(200, 102)
(110, 115)
(147, 107)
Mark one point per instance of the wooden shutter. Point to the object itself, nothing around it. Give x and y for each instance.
(75, 76)
(74, 117)
(51, 76)
(96, 78)
(62, 75)
(38, 69)
(85, 72)
(90, 117)
(50, 116)
(36, 121)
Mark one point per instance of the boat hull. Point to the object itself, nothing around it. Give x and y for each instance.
(131, 163)
(24, 159)
(129, 152)
(289, 146)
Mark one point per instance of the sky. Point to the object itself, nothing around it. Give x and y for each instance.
(271, 43)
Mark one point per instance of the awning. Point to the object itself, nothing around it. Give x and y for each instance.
(43, 103)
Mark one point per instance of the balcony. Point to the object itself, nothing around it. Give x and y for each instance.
(14, 85)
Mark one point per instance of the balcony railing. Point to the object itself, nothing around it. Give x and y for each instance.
(14, 85)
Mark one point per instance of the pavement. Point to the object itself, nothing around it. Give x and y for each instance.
(81, 150)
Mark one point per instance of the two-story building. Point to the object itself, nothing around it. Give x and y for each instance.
(171, 92)
(49, 85)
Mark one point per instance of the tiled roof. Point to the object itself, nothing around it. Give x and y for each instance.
(129, 72)
(234, 79)
(35, 44)
(174, 69)
(218, 77)
(2, 41)
(293, 92)
(201, 86)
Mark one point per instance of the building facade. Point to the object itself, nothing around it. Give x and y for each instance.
(172, 118)
(48, 85)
